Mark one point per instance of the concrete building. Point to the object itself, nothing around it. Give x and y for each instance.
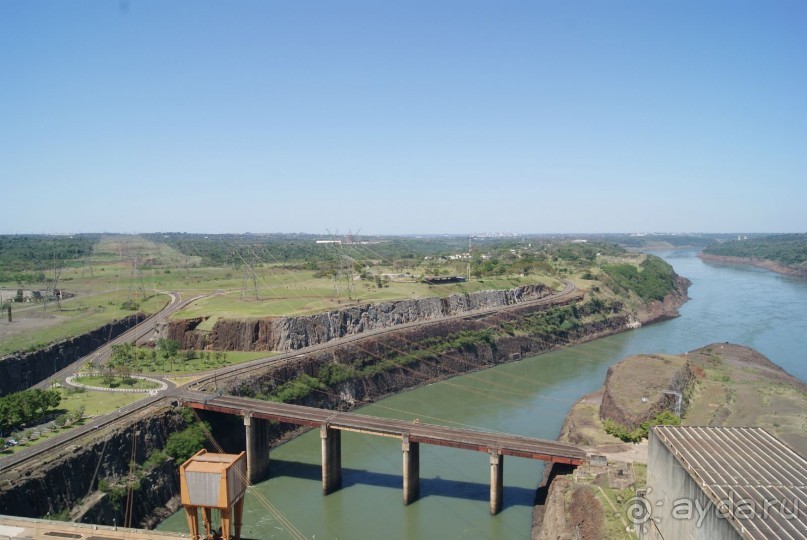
(716, 483)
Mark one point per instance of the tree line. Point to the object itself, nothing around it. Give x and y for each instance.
(22, 408)
(26, 257)
(786, 249)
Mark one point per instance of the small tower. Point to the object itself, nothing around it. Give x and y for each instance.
(210, 481)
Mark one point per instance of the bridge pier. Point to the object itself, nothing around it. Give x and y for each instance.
(257, 434)
(331, 459)
(496, 481)
(411, 470)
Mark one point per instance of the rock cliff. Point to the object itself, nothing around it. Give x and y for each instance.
(69, 479)
(284, 333)
(639, 387)
(22, 370)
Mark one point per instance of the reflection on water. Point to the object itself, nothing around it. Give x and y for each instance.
(749, 306)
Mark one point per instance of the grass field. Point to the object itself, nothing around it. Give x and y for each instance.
(33, 328)
(94, 403)
(287, 293)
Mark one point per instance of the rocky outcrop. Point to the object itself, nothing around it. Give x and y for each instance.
(638, 388)
(64, 481)
(432, 367)
(155, 499)
(184, 331)
(549, 511)
(659, 310)
(284, 333)
(22, 370)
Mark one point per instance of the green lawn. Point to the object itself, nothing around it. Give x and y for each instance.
(96, 402)
(117, 382)
(178, 365)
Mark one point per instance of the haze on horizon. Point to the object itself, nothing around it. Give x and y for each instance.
(402, 118)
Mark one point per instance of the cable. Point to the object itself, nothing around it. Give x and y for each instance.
(295, 533)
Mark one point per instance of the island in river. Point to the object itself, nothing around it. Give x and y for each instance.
(720, 385)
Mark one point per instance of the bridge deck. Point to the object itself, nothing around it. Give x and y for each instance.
(491, 442)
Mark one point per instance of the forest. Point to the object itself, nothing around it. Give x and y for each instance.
(787, 249)
(28, 257)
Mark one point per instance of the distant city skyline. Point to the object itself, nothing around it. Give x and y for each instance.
(403, 118)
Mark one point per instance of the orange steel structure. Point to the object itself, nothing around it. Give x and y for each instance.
(209, 480)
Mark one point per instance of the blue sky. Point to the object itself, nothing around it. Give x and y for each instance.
(403, 116)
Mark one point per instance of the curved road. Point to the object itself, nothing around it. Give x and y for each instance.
(134, 334)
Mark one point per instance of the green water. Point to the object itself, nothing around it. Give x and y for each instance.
(531, 397)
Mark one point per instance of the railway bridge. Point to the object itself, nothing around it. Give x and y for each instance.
(257, 414)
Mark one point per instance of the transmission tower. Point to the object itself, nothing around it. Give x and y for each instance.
(135, 278)
(468, 269)
(249, 275)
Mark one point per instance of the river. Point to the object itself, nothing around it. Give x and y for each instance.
(739, 304)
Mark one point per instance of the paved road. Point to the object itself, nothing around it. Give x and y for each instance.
(134, 334)
(101, 355)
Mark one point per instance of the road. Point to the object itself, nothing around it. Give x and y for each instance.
(134, 334)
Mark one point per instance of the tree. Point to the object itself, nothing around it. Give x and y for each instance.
(169, 347)
(77, 414)
(183, 444)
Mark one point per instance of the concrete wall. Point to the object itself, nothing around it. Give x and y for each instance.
(679, 508)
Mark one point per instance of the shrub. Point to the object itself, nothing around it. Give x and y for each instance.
(635, 435)
(130, 305)
(183, 444)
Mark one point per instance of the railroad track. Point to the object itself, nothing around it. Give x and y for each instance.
(568, 294)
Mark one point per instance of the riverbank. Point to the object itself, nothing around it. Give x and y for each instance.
(752, 261)
(720, 384)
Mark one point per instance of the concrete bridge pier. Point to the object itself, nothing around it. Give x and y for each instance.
(331, 459)
(496, 481)
(411, 470)
(257, 434)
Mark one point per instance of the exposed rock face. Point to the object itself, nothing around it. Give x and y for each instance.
(549, 512)
(155, 500)
(75, 473)
(20, 371)
(283, 333)
(435, 367)
(668, 308)
(637, 388)
(184, 332)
